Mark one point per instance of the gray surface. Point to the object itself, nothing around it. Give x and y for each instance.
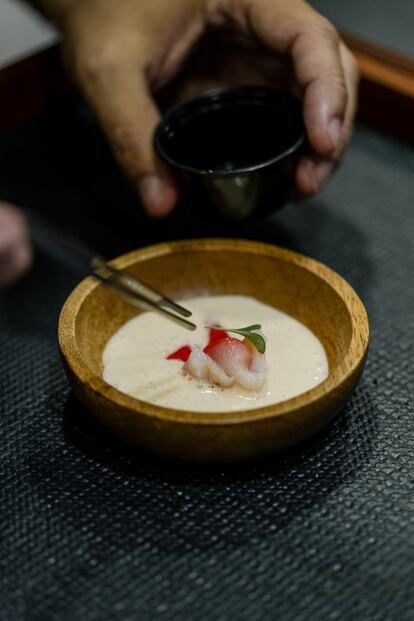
(93, 531)
(22, 31)
(388, 22)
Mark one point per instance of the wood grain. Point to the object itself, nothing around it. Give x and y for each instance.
(302, 287)
(386, 95)
(382, 65)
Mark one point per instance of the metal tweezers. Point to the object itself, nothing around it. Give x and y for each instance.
(139, 293)
(74, 253)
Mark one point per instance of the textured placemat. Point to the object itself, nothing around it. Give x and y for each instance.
(91, 531)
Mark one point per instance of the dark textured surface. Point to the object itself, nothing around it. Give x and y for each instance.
(91, 531)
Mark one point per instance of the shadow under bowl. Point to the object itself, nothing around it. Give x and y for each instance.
(305, 289)
(234, 149)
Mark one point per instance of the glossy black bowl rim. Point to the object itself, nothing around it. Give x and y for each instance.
(214, 97)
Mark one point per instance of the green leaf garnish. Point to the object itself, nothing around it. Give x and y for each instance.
(255, 326)
(248, 332)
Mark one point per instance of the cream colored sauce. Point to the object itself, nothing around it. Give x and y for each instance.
(135, 357)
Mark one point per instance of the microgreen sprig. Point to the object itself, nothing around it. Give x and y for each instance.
(249, 332)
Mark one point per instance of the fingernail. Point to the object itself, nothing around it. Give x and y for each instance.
(321, 173)
(155, 194)
(335, 132)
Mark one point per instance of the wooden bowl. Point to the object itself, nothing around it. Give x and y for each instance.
(293, 283)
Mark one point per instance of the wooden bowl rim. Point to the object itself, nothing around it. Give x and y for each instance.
(352, 360)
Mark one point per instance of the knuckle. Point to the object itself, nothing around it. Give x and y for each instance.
(338, 87)
(327, 28)
(93, 64)
(124, 139)
(341, 87)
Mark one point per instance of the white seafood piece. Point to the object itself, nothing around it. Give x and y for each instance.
(201, 366)
(241, 361)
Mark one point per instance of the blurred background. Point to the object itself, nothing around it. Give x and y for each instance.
(378, 31)
(387, 22)
(22, 32)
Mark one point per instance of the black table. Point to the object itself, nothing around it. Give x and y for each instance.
(92, 530)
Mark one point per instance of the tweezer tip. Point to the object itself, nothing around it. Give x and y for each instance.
(176, 307)
(185, 312)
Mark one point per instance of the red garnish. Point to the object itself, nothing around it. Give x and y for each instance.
(184, 352)
(211, 346)
(215, 350)
(215, 336)
(181, 354)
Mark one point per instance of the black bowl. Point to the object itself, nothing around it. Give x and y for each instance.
(234, 148)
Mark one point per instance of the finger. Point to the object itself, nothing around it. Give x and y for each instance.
(15, 263)
(314, 171)
(15, 248)
(351, 76)
(296, 30)
(13, 227)
(128, 115)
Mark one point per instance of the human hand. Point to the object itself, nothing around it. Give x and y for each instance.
(15, 248)
(122, 52)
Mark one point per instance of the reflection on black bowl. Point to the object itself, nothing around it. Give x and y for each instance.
(234, 148)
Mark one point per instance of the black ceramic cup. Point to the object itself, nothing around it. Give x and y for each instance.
(234, 149)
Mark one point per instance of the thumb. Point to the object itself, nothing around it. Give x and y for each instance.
(295, 29)
(128, 114)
